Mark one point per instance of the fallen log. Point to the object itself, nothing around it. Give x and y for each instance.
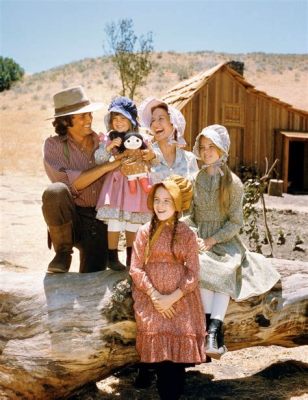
(59, 332)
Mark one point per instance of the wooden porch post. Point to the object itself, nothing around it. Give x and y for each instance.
(285, 173)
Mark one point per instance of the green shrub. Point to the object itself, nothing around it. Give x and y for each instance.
(10, 72)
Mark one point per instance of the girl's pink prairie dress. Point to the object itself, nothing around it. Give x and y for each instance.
(116, 201)
(180, 339)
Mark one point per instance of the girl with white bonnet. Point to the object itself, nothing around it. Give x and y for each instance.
(167, 124)
(227, 268)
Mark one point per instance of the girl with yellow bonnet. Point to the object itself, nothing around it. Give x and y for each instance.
(165, 274)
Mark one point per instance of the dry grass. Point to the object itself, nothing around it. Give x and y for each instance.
(26, 106)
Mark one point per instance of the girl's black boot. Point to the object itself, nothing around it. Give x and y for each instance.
(214, 349)
(207, 322)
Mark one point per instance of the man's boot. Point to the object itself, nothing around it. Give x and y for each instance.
(214, 332)
(62, 240)
(128, 256)
(114, 262)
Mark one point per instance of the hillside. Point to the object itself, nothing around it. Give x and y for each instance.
(26, 106)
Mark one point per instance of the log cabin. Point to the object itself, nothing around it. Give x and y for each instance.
(260, 125)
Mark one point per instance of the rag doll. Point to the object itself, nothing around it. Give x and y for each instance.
(135, 168)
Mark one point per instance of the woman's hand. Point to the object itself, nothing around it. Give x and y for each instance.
(114, 143)
(148, 154)
(206, 244)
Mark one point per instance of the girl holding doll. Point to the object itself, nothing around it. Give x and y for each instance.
(118, 206)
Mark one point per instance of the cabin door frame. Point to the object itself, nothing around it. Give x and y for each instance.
(295, 154)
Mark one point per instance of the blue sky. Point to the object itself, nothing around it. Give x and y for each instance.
(43, 34)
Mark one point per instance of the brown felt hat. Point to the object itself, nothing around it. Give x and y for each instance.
(180, 190)
(73, 100)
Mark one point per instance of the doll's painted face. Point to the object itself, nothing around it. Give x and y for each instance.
(133, 143)
(120, 123)
(209, 153)
(163, 204)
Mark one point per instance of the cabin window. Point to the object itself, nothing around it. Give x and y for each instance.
(233, 114)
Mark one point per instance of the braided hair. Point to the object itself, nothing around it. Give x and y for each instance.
(154, 224)
(225, 187)
(175, 225)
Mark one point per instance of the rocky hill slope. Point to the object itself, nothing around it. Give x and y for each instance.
(25, 108)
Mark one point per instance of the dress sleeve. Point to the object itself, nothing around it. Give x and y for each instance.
(101, 155)
(189, 165)
(193, 167)
(137, 272)
(189, 218)
(158, 156)
(154, 160)
(234, 222)
(191, 278)
(189, 215)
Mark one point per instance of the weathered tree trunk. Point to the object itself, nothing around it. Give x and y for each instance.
(58, 332)
(275, 187)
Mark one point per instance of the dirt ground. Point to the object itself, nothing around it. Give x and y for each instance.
(271, 373)
(287, 219)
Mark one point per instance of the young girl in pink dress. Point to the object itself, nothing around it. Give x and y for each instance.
(167, 303)
(117, 206)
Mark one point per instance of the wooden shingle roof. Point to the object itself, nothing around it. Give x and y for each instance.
(180, 94)
(184, 91)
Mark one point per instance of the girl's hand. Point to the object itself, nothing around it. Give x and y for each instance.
(170, 313)
(155, 297)
(153, 294)
(164, 302)
(114, 143)
(200, 244)
(206, 244)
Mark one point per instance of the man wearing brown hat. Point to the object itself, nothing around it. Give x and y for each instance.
(69, 202)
